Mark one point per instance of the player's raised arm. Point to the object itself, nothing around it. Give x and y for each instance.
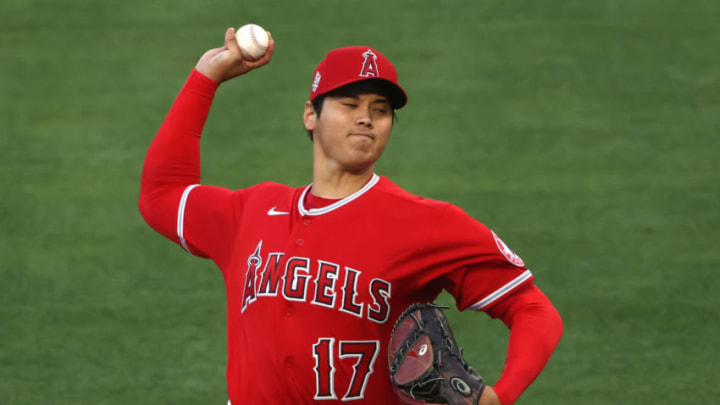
(172, 163)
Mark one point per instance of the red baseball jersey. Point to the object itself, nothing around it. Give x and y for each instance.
(313, 293)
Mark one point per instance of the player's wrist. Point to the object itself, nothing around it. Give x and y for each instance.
(201, 85)
(204, 78)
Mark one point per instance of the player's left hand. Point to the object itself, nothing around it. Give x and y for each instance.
(489, 397)
(221, 64)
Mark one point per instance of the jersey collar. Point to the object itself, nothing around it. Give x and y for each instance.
(332, 207)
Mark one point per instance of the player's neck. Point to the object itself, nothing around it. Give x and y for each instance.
(336, 184)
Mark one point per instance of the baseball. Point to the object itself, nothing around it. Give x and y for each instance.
(252, 40)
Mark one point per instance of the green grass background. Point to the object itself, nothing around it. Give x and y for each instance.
(586, 133)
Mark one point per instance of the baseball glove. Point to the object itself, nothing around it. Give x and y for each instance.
(426, 366)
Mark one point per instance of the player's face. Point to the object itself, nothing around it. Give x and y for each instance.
(353, 128)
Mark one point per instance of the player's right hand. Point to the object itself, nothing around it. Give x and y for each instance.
(221, 64)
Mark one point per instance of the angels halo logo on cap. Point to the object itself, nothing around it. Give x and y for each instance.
(343, 66)
(369, 67)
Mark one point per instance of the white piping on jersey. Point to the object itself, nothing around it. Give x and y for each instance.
(181, 216)
(482, 304)
(324, 210)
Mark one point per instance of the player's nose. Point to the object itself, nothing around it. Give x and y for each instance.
(364, 121)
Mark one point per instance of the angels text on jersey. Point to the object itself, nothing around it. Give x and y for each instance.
(318, 282)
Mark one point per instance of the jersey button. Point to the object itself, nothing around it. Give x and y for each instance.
(307, 221)
(300, 242)
(289, 310)
(289, 361)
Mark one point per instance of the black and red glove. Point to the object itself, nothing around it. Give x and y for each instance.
(426, 365)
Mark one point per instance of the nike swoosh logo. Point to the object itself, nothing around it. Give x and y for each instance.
(272, 212)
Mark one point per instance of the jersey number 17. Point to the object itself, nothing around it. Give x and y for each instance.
(366, 353)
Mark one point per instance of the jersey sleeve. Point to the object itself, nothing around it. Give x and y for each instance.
(477, 267)
(199, 218)
(206, 220)
(535, 330)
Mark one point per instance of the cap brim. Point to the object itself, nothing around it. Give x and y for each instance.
(397, 95)
(398, 98)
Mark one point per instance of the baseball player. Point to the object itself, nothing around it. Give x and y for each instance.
(317, 275)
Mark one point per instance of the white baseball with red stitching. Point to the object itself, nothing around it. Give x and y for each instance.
(252, 40)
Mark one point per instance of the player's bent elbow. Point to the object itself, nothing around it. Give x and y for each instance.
(558, 322)
(552, 322)
(145, 208)
(151, 211)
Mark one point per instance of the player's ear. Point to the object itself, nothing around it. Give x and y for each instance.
(309, 116)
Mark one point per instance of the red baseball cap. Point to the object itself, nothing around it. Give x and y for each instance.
(352, 64)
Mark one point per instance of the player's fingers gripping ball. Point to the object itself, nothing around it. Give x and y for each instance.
(253, 41)
(426, 366)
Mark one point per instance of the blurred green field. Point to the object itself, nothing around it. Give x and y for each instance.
(586, 134)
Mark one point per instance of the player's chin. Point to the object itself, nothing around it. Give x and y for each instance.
(360, 162)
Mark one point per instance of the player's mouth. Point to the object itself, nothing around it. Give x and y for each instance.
(363, 134)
